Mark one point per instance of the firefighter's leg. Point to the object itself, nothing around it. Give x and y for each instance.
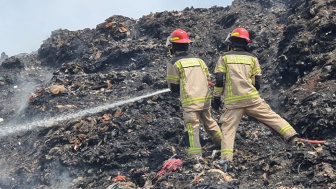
(266, 115)
(211, 127)
(230, 120)
(192, 127)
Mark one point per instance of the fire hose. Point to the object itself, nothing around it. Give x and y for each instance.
(211, 84)
(312, 141)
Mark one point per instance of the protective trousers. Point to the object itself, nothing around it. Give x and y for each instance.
(192, 123)
(231, 117)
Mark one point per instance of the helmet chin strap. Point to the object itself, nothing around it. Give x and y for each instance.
(171, 51)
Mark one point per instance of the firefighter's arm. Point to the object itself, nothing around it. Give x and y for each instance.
(173, 78)
(256, 75)
(175, 88)
(257, 81)
(218, 91)
(219, 84)
(220, 71)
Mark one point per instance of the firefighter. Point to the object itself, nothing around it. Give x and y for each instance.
(238, 78)
(189, 76)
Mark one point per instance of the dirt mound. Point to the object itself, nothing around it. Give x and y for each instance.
(67, 121)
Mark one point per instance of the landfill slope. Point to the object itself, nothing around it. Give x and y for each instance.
(64, 124)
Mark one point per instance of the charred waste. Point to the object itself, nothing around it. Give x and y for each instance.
(46, 143)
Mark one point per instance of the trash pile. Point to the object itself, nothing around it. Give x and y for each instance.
(140, 144)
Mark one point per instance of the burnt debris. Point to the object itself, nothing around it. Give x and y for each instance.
(127, 145)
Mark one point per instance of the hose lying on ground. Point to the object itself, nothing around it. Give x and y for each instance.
(312, 141)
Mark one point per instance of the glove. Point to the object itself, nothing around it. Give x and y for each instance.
(295, 141)
(215, 103)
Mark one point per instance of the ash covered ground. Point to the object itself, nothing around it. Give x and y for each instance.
(66, 121)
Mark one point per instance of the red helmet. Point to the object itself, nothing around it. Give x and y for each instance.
(179, 36)
(241, 33)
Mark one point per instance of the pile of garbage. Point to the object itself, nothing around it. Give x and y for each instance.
(68, 119)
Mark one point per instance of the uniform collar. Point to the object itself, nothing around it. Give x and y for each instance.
(238, 49)
(181, 53)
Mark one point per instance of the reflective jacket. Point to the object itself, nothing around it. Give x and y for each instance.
(192, 75)
(239, 69)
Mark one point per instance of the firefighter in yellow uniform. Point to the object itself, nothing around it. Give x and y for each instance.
(238, 78)
(189, 76)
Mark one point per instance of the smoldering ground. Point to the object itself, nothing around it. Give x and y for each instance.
(123, 58)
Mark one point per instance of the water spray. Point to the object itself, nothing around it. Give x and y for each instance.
(13, 128)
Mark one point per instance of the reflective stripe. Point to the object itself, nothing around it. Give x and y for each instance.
(227, 151)
(221, 68)
(235, 33)
(195, 100)
(194, 150)
(239, 59)
(217, 135)
(285, 128)
(182, 80)
(253, 61)
(173, 77)
(190, 63)
(205, 69)
(218, 89)
(191, 135)
(241, 97)
(174, 38)
(252, 65)
(228, 79)
(256, 70)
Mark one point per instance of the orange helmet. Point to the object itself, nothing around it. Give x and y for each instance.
(179, 36)
(241, 33)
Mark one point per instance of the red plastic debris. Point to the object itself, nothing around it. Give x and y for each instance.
(202, 53)
(119, 178)
(75, 146)
(33, 95)
(31, 98)
(169, 166)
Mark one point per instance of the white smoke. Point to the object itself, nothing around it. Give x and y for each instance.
(61, 177)
(25, 89)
